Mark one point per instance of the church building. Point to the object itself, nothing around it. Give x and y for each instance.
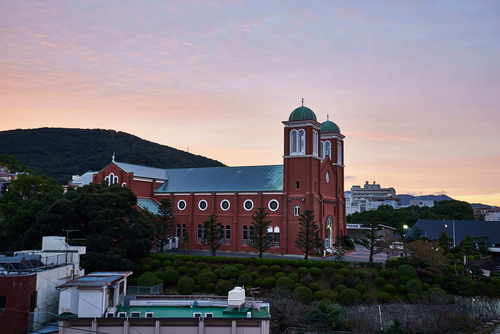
(311, 178)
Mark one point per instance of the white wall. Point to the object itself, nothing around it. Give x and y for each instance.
(91, 303)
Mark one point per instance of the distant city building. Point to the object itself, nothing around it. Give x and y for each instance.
(5, 179)
(370, 197)
(422, 202)
(28, 280)
(489, 213)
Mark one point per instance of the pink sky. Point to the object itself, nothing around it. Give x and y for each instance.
(414, 85)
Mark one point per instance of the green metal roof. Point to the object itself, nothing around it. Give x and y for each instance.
(329, 126)
(302, 113)
(147, 203)
(188, 312)
(223, 179)
(143, 171)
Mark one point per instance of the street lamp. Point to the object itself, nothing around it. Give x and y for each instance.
(404, 239)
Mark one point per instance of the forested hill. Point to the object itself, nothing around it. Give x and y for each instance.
(62, 152)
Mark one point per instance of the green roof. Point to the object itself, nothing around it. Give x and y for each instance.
(302, 113)
(329, 126)
(188, 312)
(147, 203)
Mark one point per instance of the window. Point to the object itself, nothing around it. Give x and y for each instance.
(297, 142)
(110, 315)
(196, 315)
(200, 234)
(296, 210)
(135, 314)
(2, 303)
(270, 235)
(122, 314)
(224, 205)
(248, 205)
(273, 205)
(183, 230)
(202, 205)
(315, 143)
(181, 205)
(327, 177)
(124, 184)
(297, 185)
(302, 142)
(245, 235)
(33, 299)
(228, 234)
(178, 231)
(293, 142)
(250, 241)
(339, 153)
(150, 314)
(276, 236)
(328, 150)
(209, 315)
(221, 234)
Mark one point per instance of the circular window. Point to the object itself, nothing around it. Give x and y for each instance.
(202, 205)
(248, 205)
(327, 177)
(273, 205)
(181, 204)
(224, 205)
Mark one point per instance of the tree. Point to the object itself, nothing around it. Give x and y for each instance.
(427, 258)
(308, 237)
(386, 245)
(340, 248)
(372, 236)
(259, 238)
(185, 243)
(163, 224)
(444, 242)
(212, 233)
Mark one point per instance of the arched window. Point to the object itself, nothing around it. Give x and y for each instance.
(183, 231)
(270, 235)
(296, 210)
(315, 143)
(200, 234)
(178, 231)
(302, 142)
(293, 142)
(339, 153)
(228, 234)
(250, 238)
(276, 236)
(221, 234)
(115, 179)
(328, 149)
(245, 235)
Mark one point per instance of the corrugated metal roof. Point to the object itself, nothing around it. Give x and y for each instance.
(224, 179)
(147, 203)
(460, 228)
(143, 171)
(84, 179)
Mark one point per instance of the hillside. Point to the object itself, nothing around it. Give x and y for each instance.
(62, 152)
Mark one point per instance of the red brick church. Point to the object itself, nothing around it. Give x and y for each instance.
(311, 178)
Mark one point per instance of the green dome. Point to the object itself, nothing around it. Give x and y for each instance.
(302, 113)
(329, 126)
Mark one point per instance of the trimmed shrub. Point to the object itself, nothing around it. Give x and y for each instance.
(137, 267)
(360, 287)
(384, 273)
(185, 286)
(414, 286)
(358, 273)
(315, 271)
(379, 280)
(181, 270)
(344, 271)
(158, 274)
(285, 283)
(201, 265)
(245, 280)
(217, 272)
(383, 297)
(351, 281)
(403, 279)
(280, 274)
(367, 297)
(223, 287)
(254, 274)
(426, 286)
(197, 288)
(390, 289)
(328, 271)
(233, 280)
(192, 272)
(169, 268)
(402, 288)
(206, 278)
(350, 297)
(436, 292)
(229, 272)
(438, 280)
(296, 285)
(303, 293)
(294, 277)
(413, 296)
(319, 295)
(189, 264)
(239, 266)
(302, 271)
(170, 276)
(269, 282)
(263, 269)
(154, 263)
(407, 270)
(314, 287)
(341, 288)
(336, 280)
(146, 268)
(333, 296)
(147, 279)
(274, 269)
(395, 274)
(167, 263)
(257, 282)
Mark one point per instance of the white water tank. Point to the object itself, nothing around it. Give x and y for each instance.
(236, 297)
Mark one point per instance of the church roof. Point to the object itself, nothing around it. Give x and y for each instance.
(143, 171)
(329, 126)
(224, 179)
(148, 203)
(302, 113)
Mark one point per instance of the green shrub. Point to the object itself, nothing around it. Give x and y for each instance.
(413, 296)
(436, 292)
(426, 286)
(319, 295)
(274, 269)
(192, 272)
(395, 274)
(239, 266)
(210, 287)
(303, 293)
(341, 287)
(302, 271)
(254, 274)
(367, 297)
(147, 279)
(390, 289)
(333, 296)
(285, 283)
(314, 287)
(402, 288)
(257, 282)
(404, 279)
(185, 286)
(383, 297)
(379, 280)
(351, 281)
(233, 281)
(294, 277)
(407, 270)
(344, 271)
(350, 297)
(206, 278)
(360, 287)
(384, 273)
(146, 268)
(158, 274)
(154, 263)
(336, 280)
(217, 272)
(315, 271)
(328, 272)
(181, 270)
(296, 285)
(229, 272)
(201, 265)
(359, 273)
(189, 264)
(197, 288)
(167, 263)
(137, 267)
(414, 286)
(438, 280)
(280, 274)
(263, 269)
(170, 276)
(223, 287)
(269, 282)
(245, 280)
(169, 268)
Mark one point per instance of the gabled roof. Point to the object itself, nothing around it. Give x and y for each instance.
(147, 203)
(143, 171)
(84, 179)
(224, 179)
(460, 228)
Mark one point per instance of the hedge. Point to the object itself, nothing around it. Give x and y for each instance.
(315, 271)
(319, 295)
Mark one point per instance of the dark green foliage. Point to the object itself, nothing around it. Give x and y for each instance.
(395, 273)
(303, 293)
(407, 270)
(344, 271)
(259, 238)
(257, 282)
(154, 263)
(341, 288)
(146, 267)
(414, 286)
(367, 297)
(263, 269)
(426, 286)
(319, 295)
(229, 272)
(314, 287)
(162, 223)
(167, 263)
(403, 279)
(212, 233)
(217, 272)
(383, 297)
(390, 289)
(436, 292)
(402, 288)
(182, 270)
(302, 271)
(350, 297)
(358, 273)
(274, 269)
(384, 273)
(351, 281)
(254, 274)
(185, 285)
(371, 220)
(360, 287)
(315, 271)
(280, 274)
(336, 280)
(379, 280)
(206, 278)
(191, 272)
(239, 266)
(269, 282)
(201, 265)
(170, 276)
(245, 280)
(413, 296)
(322, 315)
(285, 283)
(147, 279)
(233, 281)
(295, 277)
(328, 272)
(334, 296)
(308, 237)
(223, 287)
(189, 264)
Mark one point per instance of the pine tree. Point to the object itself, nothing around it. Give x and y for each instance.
(185, 243)
(308, 237)
(212, 233)
(259, 238)
(340, 248)
(372, 236)
(163, 225)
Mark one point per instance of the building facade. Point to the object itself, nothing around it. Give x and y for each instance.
(370, 197)
(311, 178)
